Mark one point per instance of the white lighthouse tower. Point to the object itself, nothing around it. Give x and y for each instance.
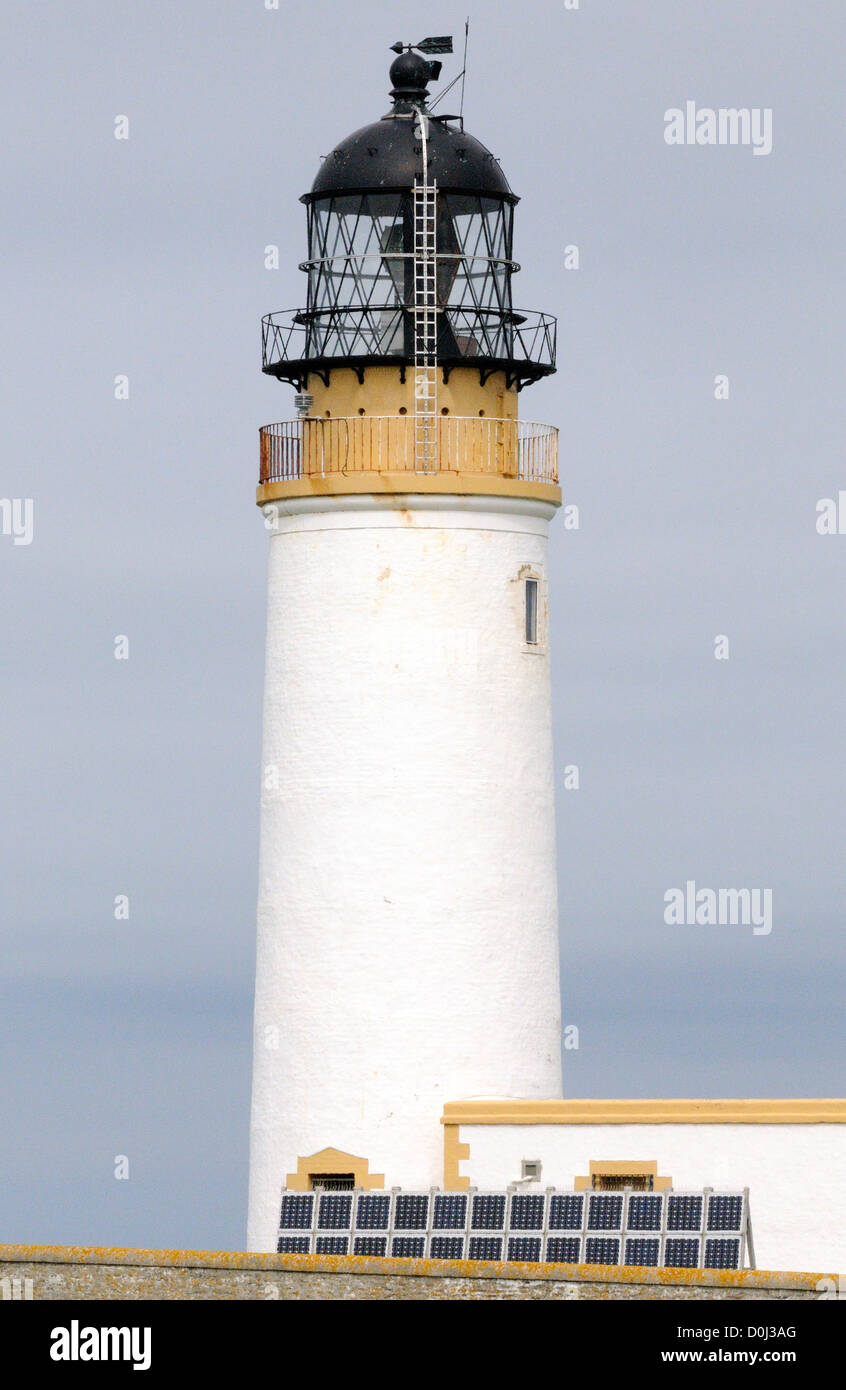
(407, 917)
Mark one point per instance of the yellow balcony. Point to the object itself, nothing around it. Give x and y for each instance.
(403, 453)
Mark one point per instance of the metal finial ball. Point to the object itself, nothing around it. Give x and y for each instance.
(410, 74)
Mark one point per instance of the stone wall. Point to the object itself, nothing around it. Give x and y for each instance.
(59, 1272)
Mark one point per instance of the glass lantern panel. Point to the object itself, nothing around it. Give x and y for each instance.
(361, 275)
(349, 236)
(482, 234)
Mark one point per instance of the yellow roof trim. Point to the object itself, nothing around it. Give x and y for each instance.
(804, 1111)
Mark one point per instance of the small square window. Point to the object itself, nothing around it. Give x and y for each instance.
(531, 1169)
(532, 612)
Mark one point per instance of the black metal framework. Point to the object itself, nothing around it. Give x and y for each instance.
(360, 270)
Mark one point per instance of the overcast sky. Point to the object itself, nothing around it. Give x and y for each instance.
(145, 257)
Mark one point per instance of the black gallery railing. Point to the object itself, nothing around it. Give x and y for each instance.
(527, 340)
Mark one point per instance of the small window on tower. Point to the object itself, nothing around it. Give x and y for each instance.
(532, 611)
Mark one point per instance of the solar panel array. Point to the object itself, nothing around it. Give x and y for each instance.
(695, 1230)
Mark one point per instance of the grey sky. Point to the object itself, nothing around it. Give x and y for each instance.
(141, 777)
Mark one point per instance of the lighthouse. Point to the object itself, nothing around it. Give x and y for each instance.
(407, 948)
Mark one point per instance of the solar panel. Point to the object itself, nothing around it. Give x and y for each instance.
(661, 1229)
(684, 1212)
(602, 1250)
(446, 1247)
(373, 1212)
(524, 1248)
(293, 1245)
(409, 1247)
(411, 1211)
(563, 1249)
(565, 1212)
(488, 1212)
(722, 1254)
(485, 1248)
(297, 1211)
(334, 1211)
(332, 1245)
(643, 1250)
(605, 1212)
(681, 1252)
(370, 1245)
(725, 1212)
(527, 1212)
(644, 1212)
(450, 1211)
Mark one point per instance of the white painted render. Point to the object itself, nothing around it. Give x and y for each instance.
(797, 1198)
(407, 916)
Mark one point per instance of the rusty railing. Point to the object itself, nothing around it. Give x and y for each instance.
(474, 445)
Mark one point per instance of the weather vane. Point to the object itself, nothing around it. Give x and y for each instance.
(441, 43)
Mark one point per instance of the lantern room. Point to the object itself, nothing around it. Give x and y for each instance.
(409, 317)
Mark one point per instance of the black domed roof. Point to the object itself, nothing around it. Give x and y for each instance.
(387, 155)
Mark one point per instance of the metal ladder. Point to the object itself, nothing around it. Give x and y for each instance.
(425, 317)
